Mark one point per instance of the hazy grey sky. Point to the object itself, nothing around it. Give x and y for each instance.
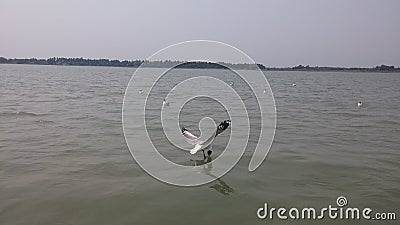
(275, 33)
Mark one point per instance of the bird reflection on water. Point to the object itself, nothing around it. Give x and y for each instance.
(218, 185)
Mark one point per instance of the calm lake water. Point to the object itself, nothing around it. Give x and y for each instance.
(64, 160)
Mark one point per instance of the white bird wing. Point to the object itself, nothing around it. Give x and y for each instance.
(196, 148)
(191, 138)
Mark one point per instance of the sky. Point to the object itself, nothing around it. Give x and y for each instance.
(277, 33)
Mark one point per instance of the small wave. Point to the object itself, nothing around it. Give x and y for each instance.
(347, 114)
(81, 117)
(45, 121)
(22, 113)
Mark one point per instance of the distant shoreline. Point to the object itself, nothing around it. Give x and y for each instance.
(189, 65)
(377, 69)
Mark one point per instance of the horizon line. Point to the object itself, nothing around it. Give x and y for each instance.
(299, 66)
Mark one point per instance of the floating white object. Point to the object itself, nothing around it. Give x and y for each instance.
(359, 104)
(294, 84)
(165, 103)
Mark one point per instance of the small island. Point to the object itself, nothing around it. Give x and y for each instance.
(61, 61)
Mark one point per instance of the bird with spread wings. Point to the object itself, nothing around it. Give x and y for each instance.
(204, 145)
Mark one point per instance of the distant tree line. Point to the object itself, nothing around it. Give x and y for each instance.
(381, 68)
(125, 63)
(72, 62)
(181, 64)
